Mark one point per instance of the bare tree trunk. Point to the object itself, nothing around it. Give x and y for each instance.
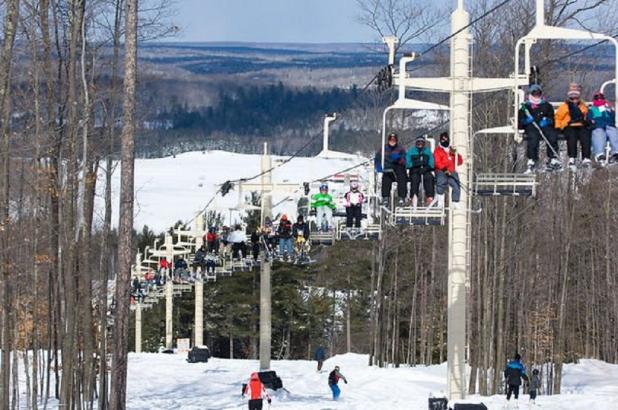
(11, 19)
(125, 231)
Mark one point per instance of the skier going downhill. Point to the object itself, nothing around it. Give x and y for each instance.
(256, 392)
(333, 380)
(513, 374)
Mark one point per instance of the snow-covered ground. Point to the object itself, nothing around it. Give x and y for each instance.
(175, 188)
(158, 381)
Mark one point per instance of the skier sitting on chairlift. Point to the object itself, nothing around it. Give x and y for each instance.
(300, 232)
(323, 206)
(572, 118)
(446, 174)
(394, 169)
(536, 118)
(420, 162)
(284, 232)
(603, 119)
(354, 200)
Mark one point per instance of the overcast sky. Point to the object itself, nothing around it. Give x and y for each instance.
(306, 21)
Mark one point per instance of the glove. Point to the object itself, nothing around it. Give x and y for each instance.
(270, 401)
(345, 381)
(545, 122)
(448, 173)
(529, 120)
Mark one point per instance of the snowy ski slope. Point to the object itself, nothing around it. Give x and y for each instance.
(175, 188)
(158, 381)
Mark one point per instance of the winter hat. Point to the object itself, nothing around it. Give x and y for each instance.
(535, 88)
(420, 138)
(575, 90)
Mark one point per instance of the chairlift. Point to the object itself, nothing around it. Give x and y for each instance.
(411, 215)
(502, 184)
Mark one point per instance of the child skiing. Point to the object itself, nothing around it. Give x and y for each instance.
(513, 373)
(535, 386)
(256, 392)
(333, 380)
(322, 204)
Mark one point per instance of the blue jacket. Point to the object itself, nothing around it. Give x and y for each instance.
(420, 159)
(320, 354)
(393, 157)
(514, 372)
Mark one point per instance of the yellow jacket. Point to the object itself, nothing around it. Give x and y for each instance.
(563, 116)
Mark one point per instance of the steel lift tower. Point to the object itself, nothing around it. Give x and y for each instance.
(461, 86)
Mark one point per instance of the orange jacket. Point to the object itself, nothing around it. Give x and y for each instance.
(445, 161)
(255, 389)
(563, 116)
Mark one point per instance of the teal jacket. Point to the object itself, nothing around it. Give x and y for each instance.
(321, 199)
(420, 159)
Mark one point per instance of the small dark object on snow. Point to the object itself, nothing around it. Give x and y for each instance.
(198, 355)
(270, 380)
(438, 403)
(167, 351)
(462, 406)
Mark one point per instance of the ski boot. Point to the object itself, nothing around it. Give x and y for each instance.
(572, 165)
(601, 160)
(586, 163)
(530, 166)
(554, 164)
(613, 159)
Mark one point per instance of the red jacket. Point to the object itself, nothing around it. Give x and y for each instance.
(445, 161)
(255, 389)
(211, 237)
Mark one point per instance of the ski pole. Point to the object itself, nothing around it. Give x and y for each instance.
(543, 135)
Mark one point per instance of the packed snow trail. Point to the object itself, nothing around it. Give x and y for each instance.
(158, 381)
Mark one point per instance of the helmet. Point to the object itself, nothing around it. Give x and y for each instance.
(354, 184)
(323, 187)
(337, 368)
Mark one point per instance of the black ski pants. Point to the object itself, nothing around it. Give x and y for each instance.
(239, 250)
(255, 404)
(512, 390)
(533, 138)
(398, 175)
(354, 214)
(532, 394)
(581, 135)
(418, 175)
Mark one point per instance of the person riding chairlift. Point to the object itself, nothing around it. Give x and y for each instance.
(603, 119)
(393, 169)
(572, 119)
(536, 118)
(354, 200)
(323, 206)
(445, 157)
(420, 162)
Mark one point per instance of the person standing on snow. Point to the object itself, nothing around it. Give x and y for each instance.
(445, 157)
(393, 169)
(354, 199)
(572, 119)
(322, 204)
(514, 373)
(256, 392)
(603, 119)
(320, 356)
(535, 385)
(333, 380)
(536, 118)
(420, 162)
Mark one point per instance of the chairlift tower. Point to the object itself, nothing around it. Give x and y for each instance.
(461, 86)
